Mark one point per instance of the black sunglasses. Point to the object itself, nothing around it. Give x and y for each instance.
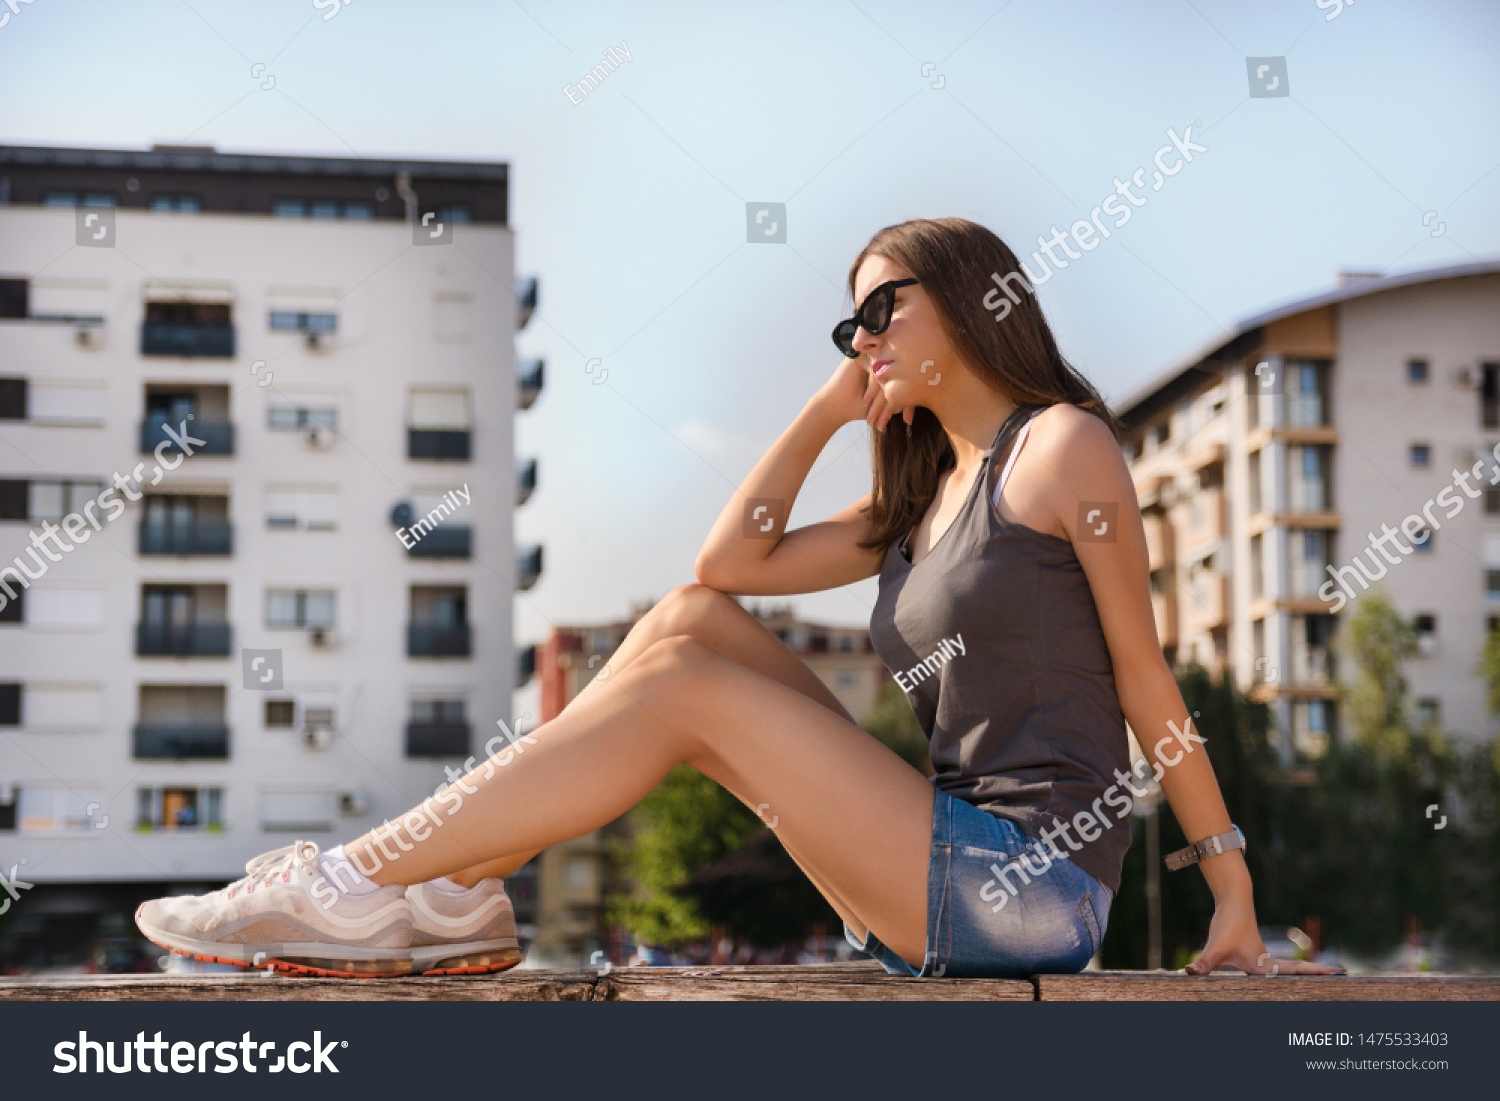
(873, 316)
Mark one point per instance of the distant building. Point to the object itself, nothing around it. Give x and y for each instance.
(1269, 459)
(574, 878)
(347, 506)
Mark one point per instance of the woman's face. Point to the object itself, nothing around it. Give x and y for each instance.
(913, 352)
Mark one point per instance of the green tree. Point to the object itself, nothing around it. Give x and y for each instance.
(1378, 640)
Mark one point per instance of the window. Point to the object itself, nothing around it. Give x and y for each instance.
(1492, 586)
(293, 418)
(288, 321)
(1257, 567)
(437, 711)
(1258, 645)
(179, 204)
(302, 508)
(323, 208)
(294, 809)
(72, 198)
(49, 500)
(281, 713)
(12, 399)
(848, 678)
(1254, 477)
(1429, 712)
(15, 297)
(56, 810)
(1425, 627)
(317, 717)
(457, 213)
(1421, 456)
(846, 644)
(1492, 500)
(179, 808)
(299, 608)
(10, 704)
(1416, 370)
(1306, 403)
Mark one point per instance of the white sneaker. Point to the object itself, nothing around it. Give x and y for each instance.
(462, 934)
(285, 914)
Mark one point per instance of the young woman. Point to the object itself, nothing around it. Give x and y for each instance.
(1013, 609)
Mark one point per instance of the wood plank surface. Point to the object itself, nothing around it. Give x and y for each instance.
(1222, 986)
(508, 986)
(846, 982)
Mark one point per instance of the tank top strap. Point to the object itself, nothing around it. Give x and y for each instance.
(1011, 459)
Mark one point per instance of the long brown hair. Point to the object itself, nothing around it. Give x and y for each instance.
(955, 260)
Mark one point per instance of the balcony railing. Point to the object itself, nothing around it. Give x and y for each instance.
(179, 741)
(429, 640)
(182, 640)
(450, 739)
(202, 341)
(448, 541)
(429, 443)
(217, 436)
(199, 537)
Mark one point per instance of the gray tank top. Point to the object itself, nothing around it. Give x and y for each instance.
(995, 638)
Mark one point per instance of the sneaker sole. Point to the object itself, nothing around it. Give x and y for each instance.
(474, 958)
(309, 958)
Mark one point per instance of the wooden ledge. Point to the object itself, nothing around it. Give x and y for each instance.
(864, 981)
(1234, 986)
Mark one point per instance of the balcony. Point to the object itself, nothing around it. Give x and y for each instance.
(199, 537)
(182, 640)
(1312, 666)
(1205, 518)
(529, 383)
(1160, 546)
(196, 341)
(525, 482)
(447, 541)
(217, 437)
(528, 568)
(429, 640)
(181, 741)
(428, 443)
(437, 739)
(1210, 606)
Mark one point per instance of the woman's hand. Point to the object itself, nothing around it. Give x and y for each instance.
(1234, 941)
(852, 393)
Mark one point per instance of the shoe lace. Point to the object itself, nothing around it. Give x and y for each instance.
(278, 864)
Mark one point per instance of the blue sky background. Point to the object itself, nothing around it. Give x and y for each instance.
(630, 205)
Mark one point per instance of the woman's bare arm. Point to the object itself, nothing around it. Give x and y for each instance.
(743, 553)
(1078, 460)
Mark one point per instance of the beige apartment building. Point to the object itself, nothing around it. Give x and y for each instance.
(1266, 463)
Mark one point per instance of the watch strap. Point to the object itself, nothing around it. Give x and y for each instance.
(1202, 850)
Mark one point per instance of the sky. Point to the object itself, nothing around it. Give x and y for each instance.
(630, 204)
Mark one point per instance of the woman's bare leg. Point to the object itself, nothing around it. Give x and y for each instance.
(718, 620)
(856, 817)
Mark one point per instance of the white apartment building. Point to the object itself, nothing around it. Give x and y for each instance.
(1266, 462)
(292, 631)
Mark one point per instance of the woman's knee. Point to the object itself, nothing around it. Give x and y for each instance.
(691, 609)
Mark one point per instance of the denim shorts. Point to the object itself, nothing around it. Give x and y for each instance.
(999, 903)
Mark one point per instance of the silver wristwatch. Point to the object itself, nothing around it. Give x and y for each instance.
(1200, 850)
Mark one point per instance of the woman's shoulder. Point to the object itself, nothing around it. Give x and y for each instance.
(1066, 431)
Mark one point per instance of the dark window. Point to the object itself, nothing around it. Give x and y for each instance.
(1421, 456)
(180, 204)
(1489, 398)
(1492, 585)
(14, 610)
(14, 295)
(281, 713)
(8, 812)
(12, 399)
(1492, 500)
(13, 499)
(1416, 370)
(10, 704)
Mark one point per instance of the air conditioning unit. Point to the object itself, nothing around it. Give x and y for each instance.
(356, 804)
(86, 338)
(314, 341)
(1465, 377)
(317, 737)
(321, 437)
(322, 638)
